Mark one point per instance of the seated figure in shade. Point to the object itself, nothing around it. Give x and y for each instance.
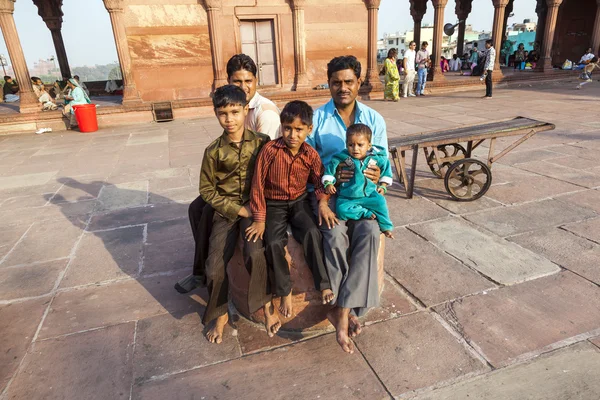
(10, 90)
(42, 95)
(585, 59)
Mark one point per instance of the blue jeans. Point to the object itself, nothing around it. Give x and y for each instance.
(422, 73)
(11, 98)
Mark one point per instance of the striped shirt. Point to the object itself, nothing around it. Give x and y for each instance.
(279, 175)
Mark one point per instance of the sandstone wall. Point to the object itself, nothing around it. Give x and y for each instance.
(573, 30)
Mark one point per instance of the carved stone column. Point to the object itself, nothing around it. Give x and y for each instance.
(115, 8)
(301, 81)
(549, 30)
(418, 8)
(372, 78)
(541, 10)
(507, 11)
(463, 9)
(28, 101)
(497, 35)
(438, 30)
(51, 13)
(596, 34)
(213, 12)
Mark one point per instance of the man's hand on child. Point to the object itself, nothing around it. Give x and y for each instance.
(373, 173)
(245, 212)
(343, 175)
(255, 231)
(330, 189)
(326, 215)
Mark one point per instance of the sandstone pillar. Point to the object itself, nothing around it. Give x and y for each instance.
(497, 35)
(507, 11)
(301, 81)
(213, 12)
(551, 18)
(115, 8)
(438, 30)
(28, 101)
(372, 79)
(596, 34)
(462, 9)
(51, 13)
(541, 10)
(418, 8)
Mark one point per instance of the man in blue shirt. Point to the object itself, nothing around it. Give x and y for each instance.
(350, 247)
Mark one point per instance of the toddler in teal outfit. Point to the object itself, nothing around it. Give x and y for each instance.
(360, 198)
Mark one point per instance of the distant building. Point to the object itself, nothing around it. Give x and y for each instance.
(43, 67)
(526, 26)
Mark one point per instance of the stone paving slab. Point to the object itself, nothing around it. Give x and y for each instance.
(589, 229)
(596, 341)
(138, 216)
(434, 190)
(502, 261)
(123, 195)
(316, 360)
(562, 173)
(166, 345)
(569, 373)
(530, 216)
(428, 273)
(573, 162)
(587, 198)
(528, 156)
(18, 323)
(9, 237)
(29, 281)
(572, 252)
(16, 203)
(90, 365)
(520, 319)
(116, 254)
(97, 306)
(180, 195)
(530, 188)
(77, 190)
(421, 351)
(17, 181)
(404, 211)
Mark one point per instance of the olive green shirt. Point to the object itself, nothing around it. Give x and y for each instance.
(227, 172)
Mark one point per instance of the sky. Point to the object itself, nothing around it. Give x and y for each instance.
(88, 37)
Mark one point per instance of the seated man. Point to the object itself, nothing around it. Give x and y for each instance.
(10, 90)
(455, 64)
(42, 95)
(585, 59)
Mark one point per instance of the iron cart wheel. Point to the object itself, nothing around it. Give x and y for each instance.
(468, 179)
(447, 150)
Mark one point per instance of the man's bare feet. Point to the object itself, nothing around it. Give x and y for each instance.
(285, 305)
(388, 234)
(327, 296)
(354, 328)
(338, 317)
(272, 322)
(215, 332)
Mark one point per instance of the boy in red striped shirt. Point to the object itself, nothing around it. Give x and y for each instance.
(278, 197)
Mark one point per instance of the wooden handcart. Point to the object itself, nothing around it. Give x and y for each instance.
(465, 178)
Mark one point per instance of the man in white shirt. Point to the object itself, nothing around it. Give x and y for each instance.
(490, 59)
(409, 70)
(585, 60)
(455, 64)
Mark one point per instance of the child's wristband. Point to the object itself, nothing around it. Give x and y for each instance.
(382, 187)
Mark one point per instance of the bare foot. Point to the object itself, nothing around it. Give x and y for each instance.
(327, 296)
(215, 333)
(285, 305)
(272, 322)
(354, 328)
(339, 319)
(388, 234)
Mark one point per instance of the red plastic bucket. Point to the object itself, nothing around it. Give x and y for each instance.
(86, 117)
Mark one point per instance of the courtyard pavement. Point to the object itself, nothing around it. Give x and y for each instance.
(493, 299)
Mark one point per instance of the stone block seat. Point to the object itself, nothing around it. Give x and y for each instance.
(308, 313)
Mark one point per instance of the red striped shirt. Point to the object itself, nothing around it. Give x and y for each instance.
(279, 175)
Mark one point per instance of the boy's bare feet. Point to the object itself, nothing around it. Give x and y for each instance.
(272, 322)
(388, 234)
(338, 317)
(215, 332)
(285, 305)
(327, 296)
(354, 328)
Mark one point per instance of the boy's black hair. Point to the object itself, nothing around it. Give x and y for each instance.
(240, 62)
(6, 77)
(297, 109)
(490, 42)
(229, 95)
(341, 63)
(594, 60)
(359, 129)
(424, 44)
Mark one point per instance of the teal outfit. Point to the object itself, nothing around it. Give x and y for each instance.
(358, 198)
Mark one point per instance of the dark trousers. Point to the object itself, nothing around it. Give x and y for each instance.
(223, 240)
(488, 84)
(201, 215)
(305, 230)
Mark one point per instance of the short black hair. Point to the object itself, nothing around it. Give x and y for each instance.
(490, 42)
(76, 77)
(229, 95)
(34, 79)
(240, 62)
(424, 44)
(594, 60)
(6, 77)
(359, 129)
(341, 63)
(297, 109)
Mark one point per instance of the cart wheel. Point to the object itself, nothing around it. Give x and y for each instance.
(448, 150)
(468, 179)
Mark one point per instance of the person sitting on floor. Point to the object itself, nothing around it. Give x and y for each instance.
(82, 85)
(77, 97)
(444, 64)
(585, 59)
(10, 90)
(42, 95)
(586, 75)
(455, 64)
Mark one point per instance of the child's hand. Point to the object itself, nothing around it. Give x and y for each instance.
(245, 212)
(330, 189)
(326, 215)
(381, 191)
(255, 231)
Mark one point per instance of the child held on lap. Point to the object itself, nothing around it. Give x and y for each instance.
(283, 169)
(360, 198)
